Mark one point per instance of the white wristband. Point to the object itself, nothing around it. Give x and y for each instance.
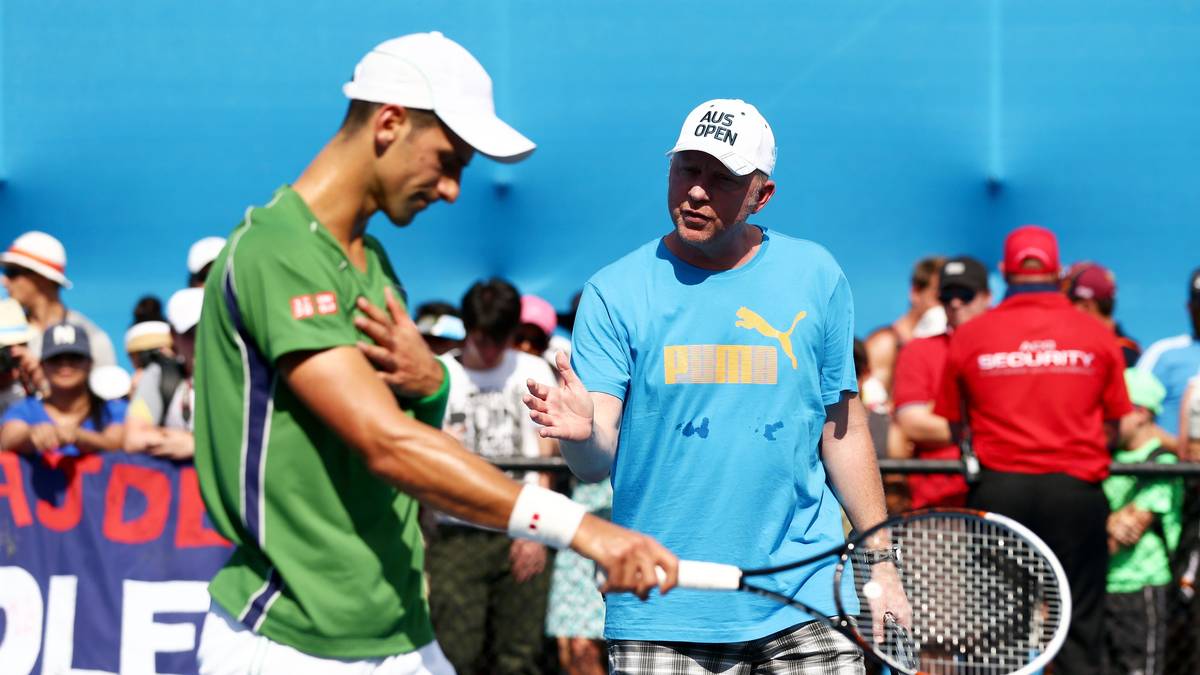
(545, 517)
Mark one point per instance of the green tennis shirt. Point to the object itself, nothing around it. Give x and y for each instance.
(329, 557)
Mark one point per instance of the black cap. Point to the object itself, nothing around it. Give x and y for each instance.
(1194, 288)
(65, 338)
(963, 272)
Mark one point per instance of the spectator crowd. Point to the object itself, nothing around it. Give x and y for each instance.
(1040, 388)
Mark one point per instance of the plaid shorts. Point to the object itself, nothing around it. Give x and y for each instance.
(812, 648)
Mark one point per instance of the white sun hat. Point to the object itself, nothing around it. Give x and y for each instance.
(429, 71)
(14, 327)
(147, 335)
(40, 253)
(731, 130)
(183, 309)
(110, 382)
(204, 252)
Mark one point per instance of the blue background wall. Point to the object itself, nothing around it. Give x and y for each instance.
(905, 127)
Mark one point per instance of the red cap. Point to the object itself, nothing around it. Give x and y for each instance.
(1090, 281)
(1031, 241)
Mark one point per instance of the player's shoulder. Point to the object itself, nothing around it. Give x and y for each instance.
(280, 221)
(29, 409)
(632, 265)
(1166, 350)
(280, 234)
(807, 250)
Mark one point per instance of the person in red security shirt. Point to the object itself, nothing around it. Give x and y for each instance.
(963, 292)
(1039, 382)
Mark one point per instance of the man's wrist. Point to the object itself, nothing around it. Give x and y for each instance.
(878, 556)
(546, 517)
(435, 374)
(428, 385)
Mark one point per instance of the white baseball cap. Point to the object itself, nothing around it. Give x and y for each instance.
(429, 71)
(204, 252)
(41, 253)
(731, 130)
(183, 309)
(445, 326)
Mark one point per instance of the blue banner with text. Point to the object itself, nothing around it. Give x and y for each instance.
(104, 564)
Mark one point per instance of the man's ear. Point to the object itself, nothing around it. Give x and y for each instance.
(765, 192)
(389, 124)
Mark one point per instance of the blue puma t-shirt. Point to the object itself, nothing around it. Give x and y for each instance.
(725, 377)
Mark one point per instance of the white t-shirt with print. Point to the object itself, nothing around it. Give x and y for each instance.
(485, 412)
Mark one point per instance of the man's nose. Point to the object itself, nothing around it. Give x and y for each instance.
(448, 188)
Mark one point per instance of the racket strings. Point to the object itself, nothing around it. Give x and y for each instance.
(984, 600)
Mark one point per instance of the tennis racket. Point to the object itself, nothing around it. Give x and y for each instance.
(974, 592)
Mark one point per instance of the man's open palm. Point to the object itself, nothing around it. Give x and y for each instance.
(564, 412)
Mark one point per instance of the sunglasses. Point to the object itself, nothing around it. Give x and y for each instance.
(962, 293)
(12, 271)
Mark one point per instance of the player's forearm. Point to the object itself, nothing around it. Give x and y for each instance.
(432, 467)
(849, 460)
(591, 459)
(415, 457)
(918, 422)
(140, 434)
(17, 437)
(430, 407)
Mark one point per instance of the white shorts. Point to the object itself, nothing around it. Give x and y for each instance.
(229, 648)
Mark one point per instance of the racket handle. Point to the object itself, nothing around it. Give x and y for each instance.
(696, 574)
(706, 575)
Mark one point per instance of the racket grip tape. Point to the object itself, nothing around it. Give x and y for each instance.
(696, 574)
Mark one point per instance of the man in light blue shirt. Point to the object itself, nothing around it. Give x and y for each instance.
(713, 378)
(1176, 360)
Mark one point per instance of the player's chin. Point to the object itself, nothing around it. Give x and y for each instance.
(402, 217)
(690, 234)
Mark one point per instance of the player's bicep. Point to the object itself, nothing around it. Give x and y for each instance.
(600, 350)
(837, 364)
(320, 379)
(841, 418)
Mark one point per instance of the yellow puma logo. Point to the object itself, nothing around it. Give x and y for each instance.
(750, 320)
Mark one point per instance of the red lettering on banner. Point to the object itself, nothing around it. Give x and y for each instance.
(13, 489)
(154, 485)
(190, 531)
(66, 515)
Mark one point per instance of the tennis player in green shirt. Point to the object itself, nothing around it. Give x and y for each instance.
(317, 400)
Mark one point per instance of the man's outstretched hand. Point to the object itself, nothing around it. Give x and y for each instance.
(565, 412)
